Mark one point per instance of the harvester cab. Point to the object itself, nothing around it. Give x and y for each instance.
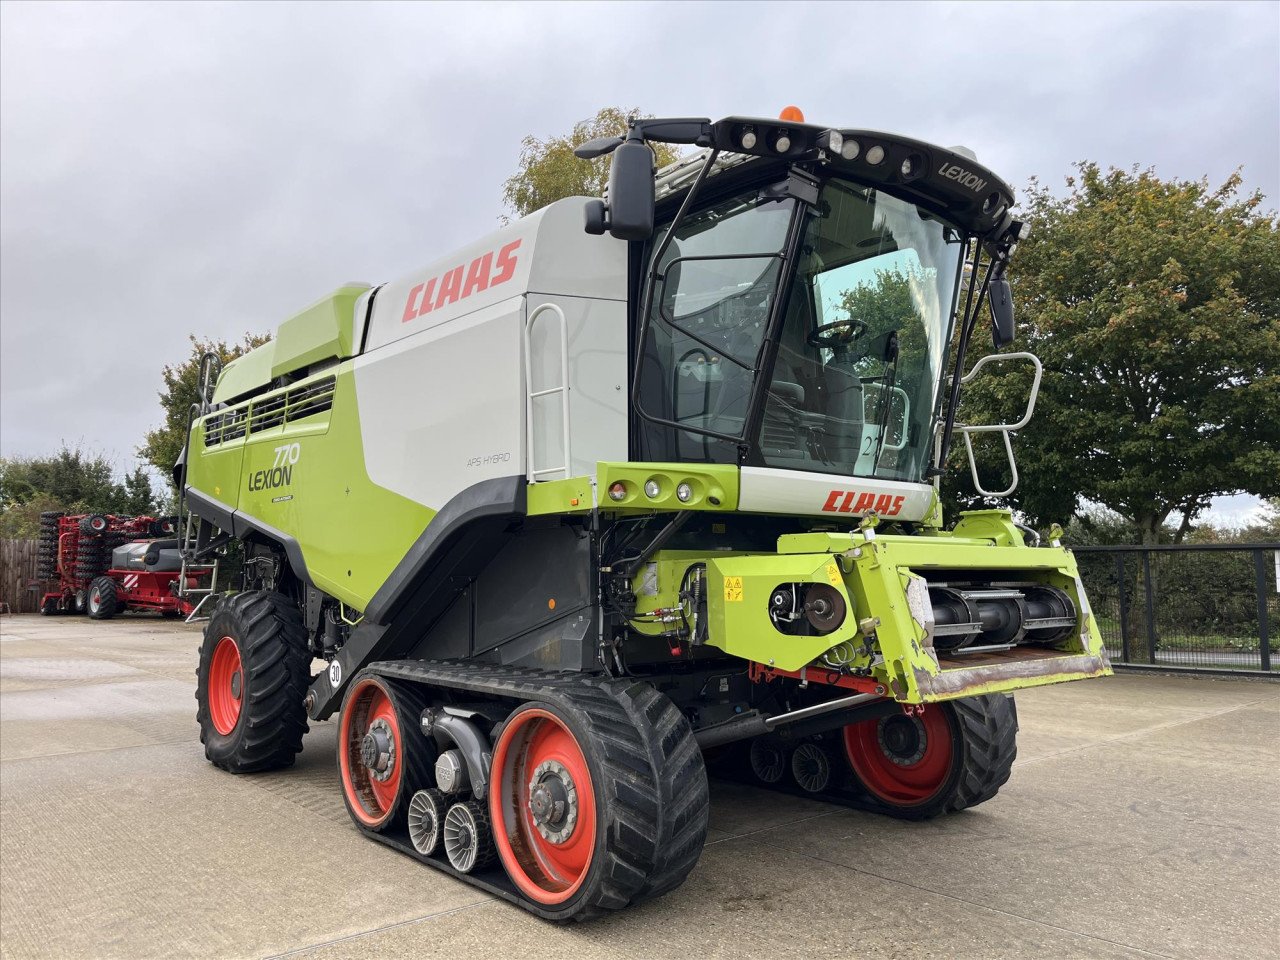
(688, 504)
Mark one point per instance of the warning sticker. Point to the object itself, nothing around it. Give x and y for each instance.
(732, 589)
(833, 573)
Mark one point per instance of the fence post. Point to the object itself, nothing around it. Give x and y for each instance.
(1151, 606)
(1124, 606)
(1264, 640)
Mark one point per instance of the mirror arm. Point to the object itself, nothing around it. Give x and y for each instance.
(971, 311)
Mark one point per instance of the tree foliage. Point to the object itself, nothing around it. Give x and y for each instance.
(1155, 307)
(164, 444)
(72, 481)
(548, 170)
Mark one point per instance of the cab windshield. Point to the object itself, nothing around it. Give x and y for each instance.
(865, 325)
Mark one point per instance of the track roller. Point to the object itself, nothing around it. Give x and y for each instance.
(468, 841)
(426, 815)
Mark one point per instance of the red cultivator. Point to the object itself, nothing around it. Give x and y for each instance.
(102, 565)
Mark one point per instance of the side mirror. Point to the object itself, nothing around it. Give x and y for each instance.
(629, 214)
(1000, 299)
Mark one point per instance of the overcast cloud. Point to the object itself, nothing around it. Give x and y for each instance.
(187, 168)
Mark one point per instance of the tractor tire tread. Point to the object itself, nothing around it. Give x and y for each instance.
(988, 726)
(109, 601)
(273, 646)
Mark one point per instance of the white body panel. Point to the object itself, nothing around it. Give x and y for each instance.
(444, 409)
(442, 385)
(597, 399)
(765, 490)
(545, 252)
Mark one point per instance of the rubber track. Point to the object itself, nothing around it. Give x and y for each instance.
(418, 763)
(273, 644)
(988, 730)
(660, 802)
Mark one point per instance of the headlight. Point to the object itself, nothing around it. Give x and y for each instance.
(684, 493)
(618, 491)
(651, 489)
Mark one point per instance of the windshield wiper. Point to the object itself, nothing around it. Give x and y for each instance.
(887, 383)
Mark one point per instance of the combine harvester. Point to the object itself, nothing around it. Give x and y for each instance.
(567, 508)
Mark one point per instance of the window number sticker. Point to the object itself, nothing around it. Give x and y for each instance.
(732, 589)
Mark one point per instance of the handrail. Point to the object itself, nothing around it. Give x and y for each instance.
(1031, 399)
(533, 471)
(1004, 429)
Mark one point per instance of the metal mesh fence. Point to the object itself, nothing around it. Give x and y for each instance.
(1205, 606)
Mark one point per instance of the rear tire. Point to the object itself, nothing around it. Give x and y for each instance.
(251, 683)
(954, 755)
(104, 602)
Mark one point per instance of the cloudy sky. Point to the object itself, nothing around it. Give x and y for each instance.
(198, 168)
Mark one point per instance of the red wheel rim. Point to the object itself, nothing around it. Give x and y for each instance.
(551, 863)
(903, 760)
(226, 686)
(370, 713)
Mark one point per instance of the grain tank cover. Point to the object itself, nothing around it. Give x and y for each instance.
(247, 373)
(323, 331)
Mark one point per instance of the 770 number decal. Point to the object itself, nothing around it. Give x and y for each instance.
(281, 472)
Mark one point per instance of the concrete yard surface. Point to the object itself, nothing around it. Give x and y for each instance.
(1141, 820)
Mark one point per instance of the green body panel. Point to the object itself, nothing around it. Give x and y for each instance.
(874, 576)
(245, 374)
(738, 590)
(560, 496)
(323, 331)
(714, 486)
(307, 478)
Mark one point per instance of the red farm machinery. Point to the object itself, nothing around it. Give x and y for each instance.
(102, 565)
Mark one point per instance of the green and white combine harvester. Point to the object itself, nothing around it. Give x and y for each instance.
(572, 515)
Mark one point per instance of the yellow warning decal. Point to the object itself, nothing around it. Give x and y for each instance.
(732, 589)
(833, 573)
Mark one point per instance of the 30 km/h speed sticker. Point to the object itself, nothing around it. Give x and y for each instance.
(732, 589)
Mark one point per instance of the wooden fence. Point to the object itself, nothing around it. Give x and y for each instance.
(17, 569)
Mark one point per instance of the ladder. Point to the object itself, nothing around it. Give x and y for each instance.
(194, 568)
(192, 546)
(533, 471)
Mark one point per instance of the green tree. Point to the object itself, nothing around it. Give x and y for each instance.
(164, 444)
(886, 305)
(1155, 308)
(549, 171)
(72, 481)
